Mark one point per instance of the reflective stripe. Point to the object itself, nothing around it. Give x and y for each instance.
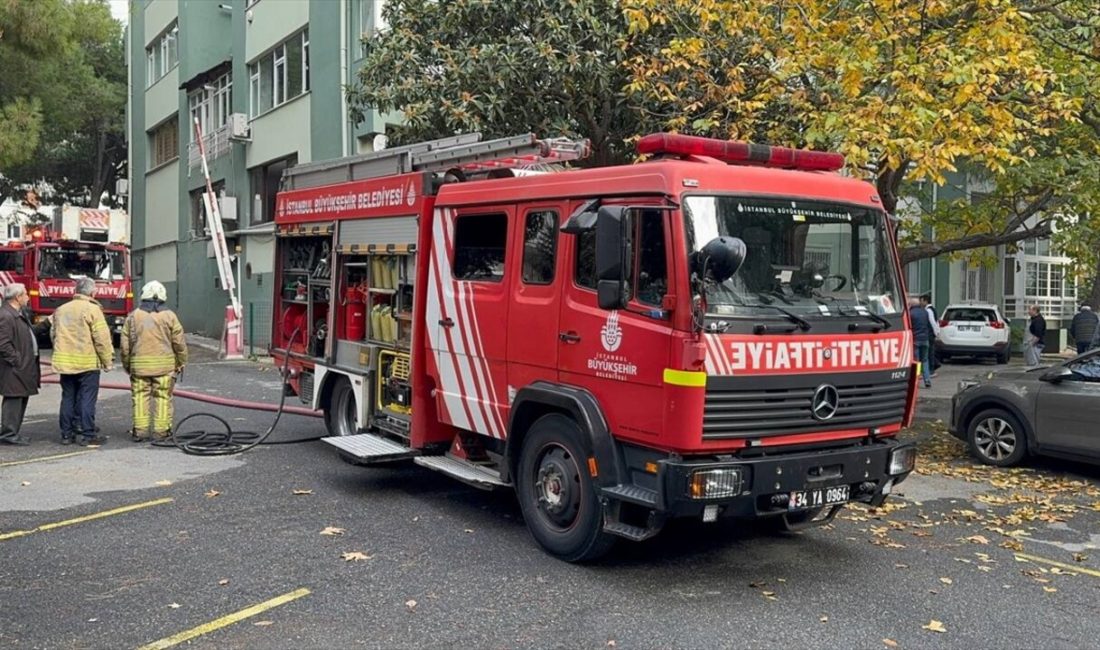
(685, 378)
(99, 324)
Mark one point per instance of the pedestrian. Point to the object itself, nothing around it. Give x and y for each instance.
(922, 335)
(81, 348)
(20, 376)
(934, 321)
(153, 352)
(1036, 335)
(1083, 328)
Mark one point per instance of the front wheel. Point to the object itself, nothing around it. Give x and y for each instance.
(996, 437)
(556, 493)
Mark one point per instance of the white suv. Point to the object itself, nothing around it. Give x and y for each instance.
(973, 330)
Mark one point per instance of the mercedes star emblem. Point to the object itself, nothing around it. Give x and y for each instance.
(825, 402)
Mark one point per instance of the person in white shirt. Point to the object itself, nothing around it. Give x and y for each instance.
(926, 302)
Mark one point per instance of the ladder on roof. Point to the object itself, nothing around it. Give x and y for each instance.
(462, 154)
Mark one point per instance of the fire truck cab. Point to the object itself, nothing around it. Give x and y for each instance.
(716, 332)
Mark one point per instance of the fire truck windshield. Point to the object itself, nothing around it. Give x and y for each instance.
(71, 263)
(812, 259)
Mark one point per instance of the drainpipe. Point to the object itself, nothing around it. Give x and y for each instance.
(344, 12)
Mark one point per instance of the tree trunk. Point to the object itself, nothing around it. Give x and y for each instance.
(99, 181)
(1094, 295)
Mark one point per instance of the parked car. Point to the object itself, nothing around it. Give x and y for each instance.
(973, 330)
(1049, 411)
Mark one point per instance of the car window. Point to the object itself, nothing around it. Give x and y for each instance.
(970, 314)
(1086, 368)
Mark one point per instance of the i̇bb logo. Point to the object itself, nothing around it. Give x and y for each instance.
(611, 335)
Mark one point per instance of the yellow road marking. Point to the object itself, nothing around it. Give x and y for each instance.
(79, 520)
(1061, 565)
(228, 619)
(45, 458)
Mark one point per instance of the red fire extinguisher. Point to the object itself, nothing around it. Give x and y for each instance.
(355, 314)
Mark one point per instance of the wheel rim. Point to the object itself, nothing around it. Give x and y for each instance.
(995, 438)
(345, 414)
(557, 483)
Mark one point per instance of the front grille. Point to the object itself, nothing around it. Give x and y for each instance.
(762, 410)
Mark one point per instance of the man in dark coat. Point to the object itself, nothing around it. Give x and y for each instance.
(1083, 328)
(19, 373)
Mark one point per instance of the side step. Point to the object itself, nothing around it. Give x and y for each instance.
(467, 472)
(633, 494)
(369, 448)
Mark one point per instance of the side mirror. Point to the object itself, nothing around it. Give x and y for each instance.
(613, 256)
(1056, 375)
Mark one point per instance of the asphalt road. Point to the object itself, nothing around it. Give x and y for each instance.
(444, 564)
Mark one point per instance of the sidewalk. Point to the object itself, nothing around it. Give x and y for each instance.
(935, 403)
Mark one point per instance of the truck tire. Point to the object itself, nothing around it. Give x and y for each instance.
(340, 412)
(996, 437)
(556, 492)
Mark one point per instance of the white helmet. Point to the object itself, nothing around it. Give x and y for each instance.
(154, 291)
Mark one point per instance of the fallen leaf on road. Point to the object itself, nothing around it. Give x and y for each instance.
(92, 620)
(262, 623)
(1080, 557)
(977, 539)
(300, 492)
(934, 626)
(1050, 590)
(174, 605)
(770, 595)
(890, 643)
(901, 566)
(25, 483)
(355, 556)
(468, 530)
(223, 581)
(163, 483)
(332, 530)
(210, 494)
(410, 604)
(824, 619)
(757, 585)
(611, 643)
(1012, 544)
(985, 568)
(780, 579)
(1060, 572)
(945, 581)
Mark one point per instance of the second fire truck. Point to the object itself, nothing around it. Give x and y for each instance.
(716, 332)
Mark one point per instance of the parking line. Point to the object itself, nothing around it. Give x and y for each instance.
(79, 520)
(226, 620)
(1061, 565)
(44, 458)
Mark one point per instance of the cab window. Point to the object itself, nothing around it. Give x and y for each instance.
(540, 246)
(480, 243)
(650, 269)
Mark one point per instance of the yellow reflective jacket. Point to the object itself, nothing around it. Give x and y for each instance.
(81, 340)
(152, 343)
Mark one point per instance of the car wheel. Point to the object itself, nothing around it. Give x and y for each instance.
(556, 493)
(996, 437)
(1003, 357)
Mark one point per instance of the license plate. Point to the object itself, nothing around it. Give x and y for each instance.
(806, 499)
(970, 328)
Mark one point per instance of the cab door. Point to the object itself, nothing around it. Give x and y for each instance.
(534, 313)
(468, 304)
(620, 355)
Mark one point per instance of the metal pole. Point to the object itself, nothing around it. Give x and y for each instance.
(251, 329)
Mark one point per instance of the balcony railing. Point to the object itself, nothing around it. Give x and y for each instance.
(217, 144)
(1062, 308)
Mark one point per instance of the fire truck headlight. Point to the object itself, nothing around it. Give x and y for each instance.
(902, 460)
(715, 483)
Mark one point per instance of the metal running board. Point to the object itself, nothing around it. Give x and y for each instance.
(633, 533)
(634, 494)
(467, 472)
(370, 448)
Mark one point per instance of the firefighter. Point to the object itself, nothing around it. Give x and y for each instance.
(153, 352)
(81, 348)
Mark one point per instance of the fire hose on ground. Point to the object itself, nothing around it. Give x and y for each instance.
(226, 441)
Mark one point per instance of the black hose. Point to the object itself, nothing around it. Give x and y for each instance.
(226, 441)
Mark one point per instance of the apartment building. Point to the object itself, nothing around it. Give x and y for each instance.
(265, 79)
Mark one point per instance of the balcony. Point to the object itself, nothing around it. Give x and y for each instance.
(217, 144)
(1056, 308)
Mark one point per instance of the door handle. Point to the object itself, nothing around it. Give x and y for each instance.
(569, 337)
(446, 322)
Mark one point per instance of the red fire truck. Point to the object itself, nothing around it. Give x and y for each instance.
(716, 332)
(49, 261)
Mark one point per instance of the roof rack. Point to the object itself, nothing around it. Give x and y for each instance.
(461, 155)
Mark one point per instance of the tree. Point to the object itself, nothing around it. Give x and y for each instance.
(501, 67)
(908, 91)
(63, 98)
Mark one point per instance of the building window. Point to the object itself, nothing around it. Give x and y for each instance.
(265, 181)
(280, 75)
(1045, 280)
(480, 244)
(162, 54)
(540, 244)
(1037, 247)
(211, 104)
(164, 143)
(198, 208)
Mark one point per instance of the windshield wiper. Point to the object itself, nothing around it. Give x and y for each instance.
(802, 323)
(866, 314)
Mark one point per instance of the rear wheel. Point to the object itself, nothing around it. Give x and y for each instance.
(996, 437)
(340, 414)
(556, 493)
(1003, 357)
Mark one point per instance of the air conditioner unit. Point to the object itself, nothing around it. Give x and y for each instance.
(238, 127)
(227, 205)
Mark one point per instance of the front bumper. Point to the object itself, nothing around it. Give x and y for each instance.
(115, 323)
(767, 480)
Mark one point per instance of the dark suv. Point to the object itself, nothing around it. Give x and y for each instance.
(1050, 411)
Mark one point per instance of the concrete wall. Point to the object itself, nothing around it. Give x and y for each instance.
(160, 210)
(158, 14)
(272, 22)
(162, 99)
(281, 132)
